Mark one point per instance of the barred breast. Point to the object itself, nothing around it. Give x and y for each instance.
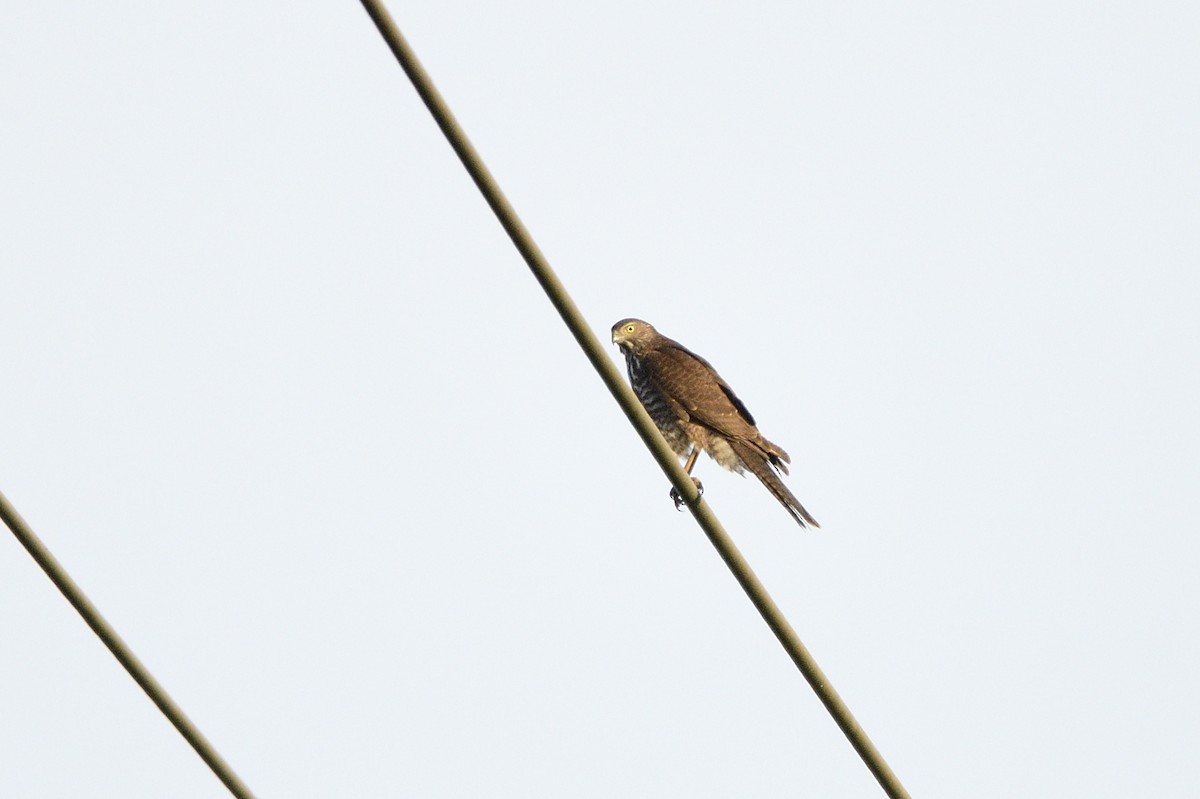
(656, 405)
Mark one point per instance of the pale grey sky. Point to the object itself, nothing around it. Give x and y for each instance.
(287, 404)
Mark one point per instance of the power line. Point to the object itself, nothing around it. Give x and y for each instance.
(625, 398)
(140, 674)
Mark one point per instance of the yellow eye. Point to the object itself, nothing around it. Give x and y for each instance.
(630, 328)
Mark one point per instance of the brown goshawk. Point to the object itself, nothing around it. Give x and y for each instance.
(696, 410)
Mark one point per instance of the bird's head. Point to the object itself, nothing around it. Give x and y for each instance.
(633, 334)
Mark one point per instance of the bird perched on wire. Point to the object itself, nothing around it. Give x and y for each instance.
(696, 410)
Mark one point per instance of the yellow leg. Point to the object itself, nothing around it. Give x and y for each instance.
(687, 467)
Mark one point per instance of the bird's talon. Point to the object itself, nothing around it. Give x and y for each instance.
(678, 499)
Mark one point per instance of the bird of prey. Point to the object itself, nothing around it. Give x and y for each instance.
(696, 410)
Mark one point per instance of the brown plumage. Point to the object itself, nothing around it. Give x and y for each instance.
(696, 410)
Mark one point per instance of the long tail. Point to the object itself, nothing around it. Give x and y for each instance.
(756, 461)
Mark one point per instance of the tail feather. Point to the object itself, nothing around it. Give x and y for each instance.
(756, 460)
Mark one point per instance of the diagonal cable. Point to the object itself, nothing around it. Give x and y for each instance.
(625, 398)
(137, 670)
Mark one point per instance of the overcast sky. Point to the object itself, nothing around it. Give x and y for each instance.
(282, 397)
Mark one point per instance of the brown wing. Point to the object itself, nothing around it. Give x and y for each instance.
(696, 392)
